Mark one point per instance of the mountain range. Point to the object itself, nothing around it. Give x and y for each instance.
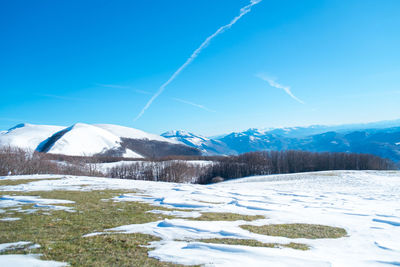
(83, 139)
(380, 138)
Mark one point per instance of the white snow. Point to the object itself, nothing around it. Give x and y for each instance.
(84, 139)
(9, 246)
(24, 260)
(177, 213)
(365, 203)
(9, 219)
(133, 133)
(7, 201)
(204, 144)
(78, 140)
(27, 136)
(130, 154)
(27, 260)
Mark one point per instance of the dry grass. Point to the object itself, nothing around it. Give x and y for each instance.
(254, 243)
(226, 216)
(6, 182)
(60, 233)
(297, 230)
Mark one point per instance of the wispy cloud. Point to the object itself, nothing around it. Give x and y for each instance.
(193, 104)
(273, 83)
(193, 56)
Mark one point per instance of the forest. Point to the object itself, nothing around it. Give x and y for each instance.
(189, 169)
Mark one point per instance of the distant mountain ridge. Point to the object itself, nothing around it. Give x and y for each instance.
(380, 138)
(206, 145)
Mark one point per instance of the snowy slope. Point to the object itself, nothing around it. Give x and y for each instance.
(84, 139)
(365, 203)
(133, 133)
(27, 136)
(206, 145)
(111, 140)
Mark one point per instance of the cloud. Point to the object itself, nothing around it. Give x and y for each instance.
(192, 104)
(193, 56)
(287, 90)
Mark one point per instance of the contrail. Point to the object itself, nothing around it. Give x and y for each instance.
(193, 104)
(243, 11)
(280, 86)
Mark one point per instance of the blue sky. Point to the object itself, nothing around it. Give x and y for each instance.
(63, 62)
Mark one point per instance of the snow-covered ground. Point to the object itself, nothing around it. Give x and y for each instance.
(365, 203)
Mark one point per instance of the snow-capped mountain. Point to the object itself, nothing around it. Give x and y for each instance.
(27, 136)
(253, 140)
(127, 132)
(86, 140)
(114, 140)
(378, 141)
(357, 138)
(206, 145)
(81, 139)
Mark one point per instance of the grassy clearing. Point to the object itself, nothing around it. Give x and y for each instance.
(5, 182)
(297, 230)
(60, 234)
(253, 243)
(226, 216)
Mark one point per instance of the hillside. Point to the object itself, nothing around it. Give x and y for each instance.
(27, 136)
(83, 139)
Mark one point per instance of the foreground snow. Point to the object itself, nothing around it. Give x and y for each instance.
(24, 260)
(27, 260)
(365, 203)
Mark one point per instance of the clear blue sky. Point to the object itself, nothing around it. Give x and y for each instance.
(98, 61)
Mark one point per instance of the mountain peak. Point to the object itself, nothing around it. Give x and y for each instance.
(180, 133)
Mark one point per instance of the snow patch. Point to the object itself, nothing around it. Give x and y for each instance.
(8, 201)
(27, 260)
(9, 219)
(14, 245)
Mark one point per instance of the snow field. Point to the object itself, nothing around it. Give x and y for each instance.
(365, 203)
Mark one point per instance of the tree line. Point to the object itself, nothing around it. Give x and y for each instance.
(16, 161)
(292, 161)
